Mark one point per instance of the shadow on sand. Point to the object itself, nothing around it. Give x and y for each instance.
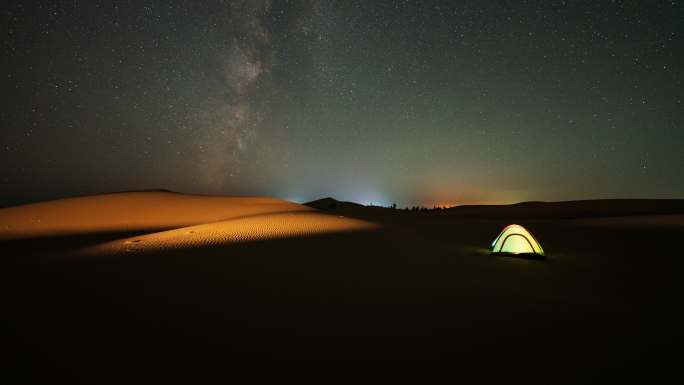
(202, 315)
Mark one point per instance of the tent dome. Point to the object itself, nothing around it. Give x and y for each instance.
(515, 239)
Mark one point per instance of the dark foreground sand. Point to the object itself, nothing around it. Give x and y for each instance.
(380, 290)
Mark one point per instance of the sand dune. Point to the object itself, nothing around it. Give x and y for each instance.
(169, 221)
(245, 229)
(665, 221)
(571, 209)
(130, 211)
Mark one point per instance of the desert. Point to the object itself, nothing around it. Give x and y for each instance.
(207, 283)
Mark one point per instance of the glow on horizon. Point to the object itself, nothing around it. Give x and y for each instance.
(373, 202)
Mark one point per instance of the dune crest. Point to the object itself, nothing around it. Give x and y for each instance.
(130, 211)
(169, 220)
(246, 229)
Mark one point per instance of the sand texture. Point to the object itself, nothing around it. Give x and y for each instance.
(131, 211)
(205, 288)
(245, 229)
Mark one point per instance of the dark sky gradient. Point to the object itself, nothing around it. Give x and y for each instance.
(413, 102)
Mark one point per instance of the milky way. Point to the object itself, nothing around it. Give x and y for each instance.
(227, 122)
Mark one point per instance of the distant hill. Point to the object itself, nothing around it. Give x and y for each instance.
(572, 209)
(535, 210)
(331, 204)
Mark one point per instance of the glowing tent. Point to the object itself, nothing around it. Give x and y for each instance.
(515, 239)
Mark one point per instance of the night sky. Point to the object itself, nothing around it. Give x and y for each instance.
(407, 102)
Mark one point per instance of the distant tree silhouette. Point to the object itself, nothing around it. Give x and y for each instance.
(424, 209)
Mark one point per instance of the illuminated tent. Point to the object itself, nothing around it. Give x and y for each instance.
(515, 239)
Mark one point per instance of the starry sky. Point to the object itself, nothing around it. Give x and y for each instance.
(407, 102)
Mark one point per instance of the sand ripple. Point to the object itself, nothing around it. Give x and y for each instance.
(247, 229)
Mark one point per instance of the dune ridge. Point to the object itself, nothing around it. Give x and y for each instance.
(169, 220)
(572, 209)
(130, 211)
(239, 230)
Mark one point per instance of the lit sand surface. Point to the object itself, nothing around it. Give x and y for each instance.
(248, 229)
(169, 221)
(132, 211)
